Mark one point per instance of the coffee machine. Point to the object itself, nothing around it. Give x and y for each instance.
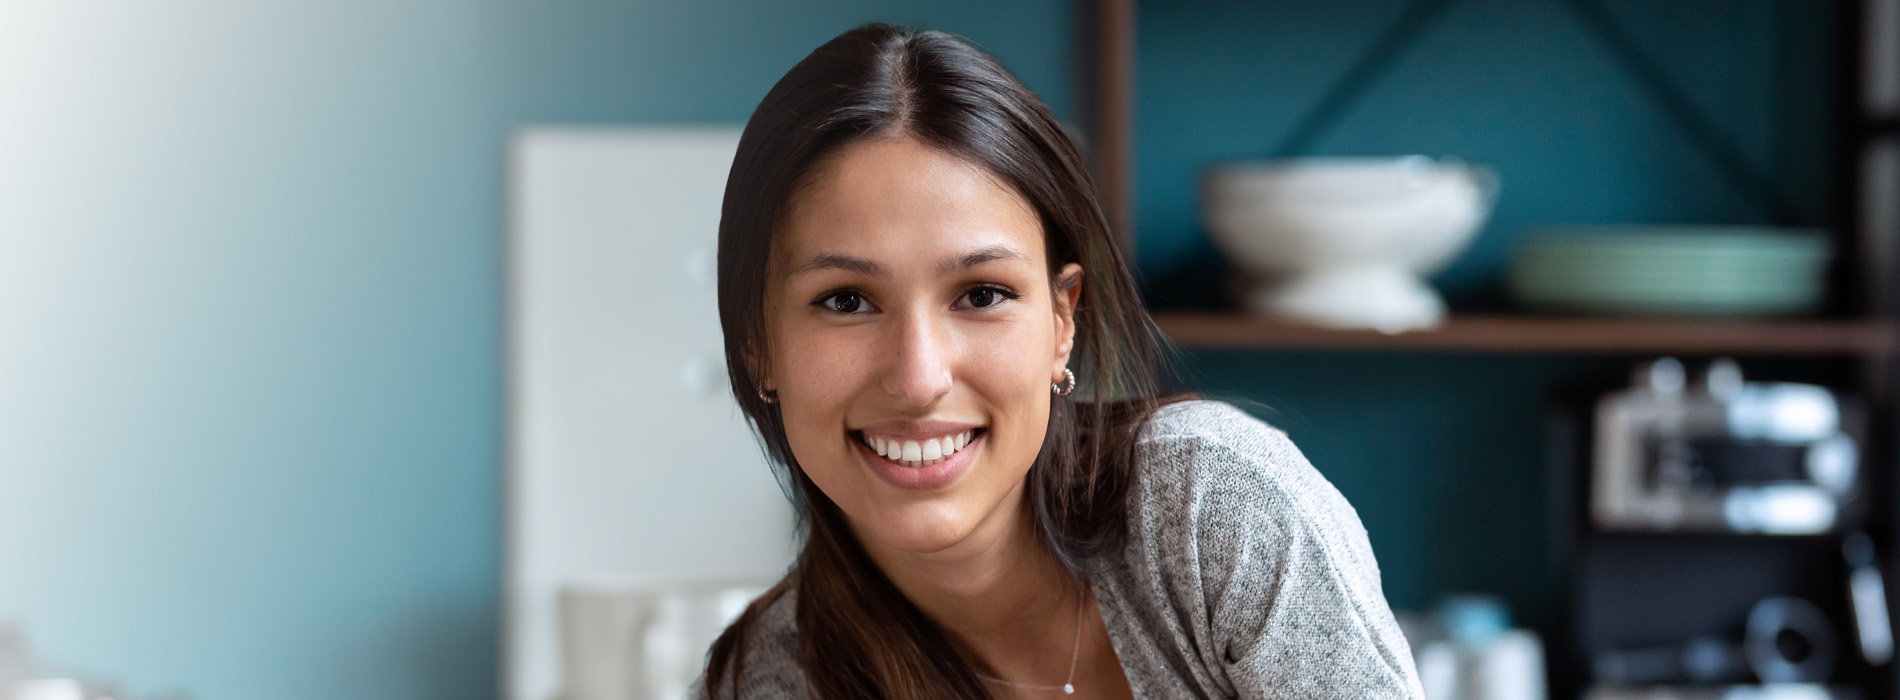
(1718, 453)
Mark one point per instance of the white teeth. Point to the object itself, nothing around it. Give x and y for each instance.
(916, 453)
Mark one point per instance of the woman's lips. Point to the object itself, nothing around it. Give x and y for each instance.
(926, 477)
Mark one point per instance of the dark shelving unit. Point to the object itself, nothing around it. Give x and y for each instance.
(1869, 338)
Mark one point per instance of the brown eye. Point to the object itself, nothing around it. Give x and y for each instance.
(982, 297)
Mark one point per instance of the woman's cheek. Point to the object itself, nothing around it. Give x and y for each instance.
(822, 364)
(1014, 377)
(816, 379)
(1017, 353)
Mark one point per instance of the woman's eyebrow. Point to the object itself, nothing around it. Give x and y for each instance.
(837, 261)
(834, 261)
(980, 256)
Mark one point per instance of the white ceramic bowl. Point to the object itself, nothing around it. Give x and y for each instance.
(1346, 242)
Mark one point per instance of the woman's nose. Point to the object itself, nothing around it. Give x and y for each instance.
(920, 359)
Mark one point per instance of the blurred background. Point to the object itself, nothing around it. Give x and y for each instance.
(346, 347)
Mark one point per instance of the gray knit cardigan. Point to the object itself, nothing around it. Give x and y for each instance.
(1245, 575)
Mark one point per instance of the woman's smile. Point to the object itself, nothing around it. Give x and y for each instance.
(904, 459)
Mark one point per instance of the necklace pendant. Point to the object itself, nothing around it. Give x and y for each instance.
(1068, 688)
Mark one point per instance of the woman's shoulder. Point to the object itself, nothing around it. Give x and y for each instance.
(1218, 480)
(1205, 444)
(1207, 419)
(769, 667)
(1235, 532)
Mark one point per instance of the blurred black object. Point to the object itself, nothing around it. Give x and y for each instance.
(1653, 604)
(1720, 454)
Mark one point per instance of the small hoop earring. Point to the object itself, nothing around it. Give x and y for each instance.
(768, 396)
(1064, 387)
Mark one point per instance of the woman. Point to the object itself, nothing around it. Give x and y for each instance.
(929, 325)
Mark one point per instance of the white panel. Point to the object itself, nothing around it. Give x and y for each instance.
(627, 454)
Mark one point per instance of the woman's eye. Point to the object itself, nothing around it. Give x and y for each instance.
(843, 303)
(986, 296)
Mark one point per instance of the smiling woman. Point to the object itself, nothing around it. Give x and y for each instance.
(929, 325)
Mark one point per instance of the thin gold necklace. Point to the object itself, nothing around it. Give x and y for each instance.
(1068, 686)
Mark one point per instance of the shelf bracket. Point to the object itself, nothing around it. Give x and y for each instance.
(1365, 70)
(1675, 103)
(1655, 83)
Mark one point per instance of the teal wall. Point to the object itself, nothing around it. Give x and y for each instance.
(1441, 455)
(251, 314)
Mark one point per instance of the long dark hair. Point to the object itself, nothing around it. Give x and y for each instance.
(858, 636)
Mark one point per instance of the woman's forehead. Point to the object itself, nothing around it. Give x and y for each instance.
(899, 199)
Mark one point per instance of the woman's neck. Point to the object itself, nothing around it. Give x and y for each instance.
(999, 594)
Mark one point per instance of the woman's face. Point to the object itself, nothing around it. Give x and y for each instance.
(914, 334)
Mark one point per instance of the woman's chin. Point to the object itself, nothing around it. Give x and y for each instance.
(921, 528)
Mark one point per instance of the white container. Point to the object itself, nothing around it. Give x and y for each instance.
(1510, 667)
(643, 638)
(1437, 664)
(1346, 242)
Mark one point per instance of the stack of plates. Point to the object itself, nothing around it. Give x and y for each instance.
(1673, 269)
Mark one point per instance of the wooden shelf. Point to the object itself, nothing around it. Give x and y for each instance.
(1538, 334)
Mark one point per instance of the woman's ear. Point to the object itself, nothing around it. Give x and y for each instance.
(755, 368)
(1068, 288)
